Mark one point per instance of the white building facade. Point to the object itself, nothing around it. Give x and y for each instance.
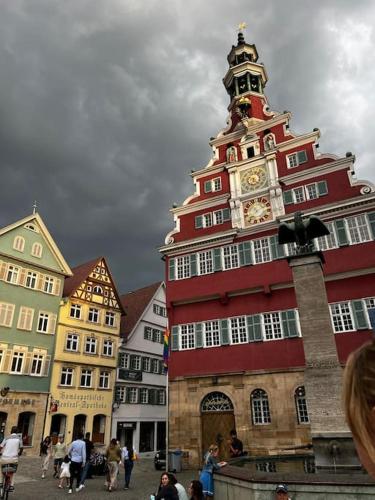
(139, 410)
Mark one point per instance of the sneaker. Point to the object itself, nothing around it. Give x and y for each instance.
(80, 487)
(70, 491)
(126, 487)
(11, 488)
(60, 486)
(43, 475)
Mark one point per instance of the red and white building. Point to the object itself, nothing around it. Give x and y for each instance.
(236, 349)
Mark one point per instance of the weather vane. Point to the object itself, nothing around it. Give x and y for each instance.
(242, 26)
(35, 206)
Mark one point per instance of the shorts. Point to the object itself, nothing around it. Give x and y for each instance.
(57, 461)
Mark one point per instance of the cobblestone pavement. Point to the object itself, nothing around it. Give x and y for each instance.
(144, 481)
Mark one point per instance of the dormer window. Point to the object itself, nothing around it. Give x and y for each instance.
(31, 227)
(19, 243)
(98, 290)
(36, 250)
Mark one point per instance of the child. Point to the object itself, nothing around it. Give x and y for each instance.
(65, 472)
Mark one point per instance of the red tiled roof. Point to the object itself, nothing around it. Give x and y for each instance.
(134, 304)
(80, 273)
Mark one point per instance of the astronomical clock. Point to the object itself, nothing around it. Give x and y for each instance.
(257, 210)
(253, 179)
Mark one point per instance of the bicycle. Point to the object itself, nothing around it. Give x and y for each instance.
(8, 471)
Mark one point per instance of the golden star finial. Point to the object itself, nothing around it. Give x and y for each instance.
(242, 26)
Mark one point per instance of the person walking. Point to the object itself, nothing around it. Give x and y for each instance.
(113, 455)
(45, 454)
(89, 449)
(65, 472)
(59, 452)
(210, 464)
(196, 490)
(77, 454)
(11, 448)
(128, 454)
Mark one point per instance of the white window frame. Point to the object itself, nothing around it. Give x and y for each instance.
(316, 191)
(20, 358)
(136, 362)
(205, 262)
(124, 360)
(299, 195)
(143, 396)
(161, 397)
(133, 395)
(72, 342)
(187, 337)
(183, 267)
(238, 330)
(91, 345)
(358, 232)
(262, 250)
(121, 393)
(86, 378)
(31, 280)
(108, 348)
(12, 274)
(75, 311)
(230, 257)
(260, 408)
(293, 161)
(94, 315)
(207, 219)
(218, 217)
(342, 317)
(155, 366)
(211, 330)
(301, 406)
(104, 379)
(216, 184)
(110, 319)
(272, 326)
(43, 322)
(37, 369)
(328, 241)
(48, 284)
(66, 376)
(146, 364)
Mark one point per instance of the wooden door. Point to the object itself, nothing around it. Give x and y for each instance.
(216, 427)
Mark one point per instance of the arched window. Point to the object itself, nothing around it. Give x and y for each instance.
(301, 405)
(19, 243)
(260, 409)
(98, 290)
(25, 426)
(216, 401)
(36, 250)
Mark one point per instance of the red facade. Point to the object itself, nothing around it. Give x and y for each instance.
(224, 267)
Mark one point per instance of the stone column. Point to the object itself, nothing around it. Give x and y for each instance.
(323, 374)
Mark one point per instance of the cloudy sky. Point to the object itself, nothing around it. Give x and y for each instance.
(106, 106)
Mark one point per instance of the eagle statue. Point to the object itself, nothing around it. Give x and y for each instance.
(302, 232)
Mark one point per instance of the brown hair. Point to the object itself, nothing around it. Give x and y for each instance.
(359, 396)
(213, 448)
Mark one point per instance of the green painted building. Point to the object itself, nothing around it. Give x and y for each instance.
(32, 273)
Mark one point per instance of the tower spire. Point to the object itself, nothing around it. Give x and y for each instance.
(241, 38)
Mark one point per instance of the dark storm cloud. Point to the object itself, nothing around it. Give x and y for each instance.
(106, 106)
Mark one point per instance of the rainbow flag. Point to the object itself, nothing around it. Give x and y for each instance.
(166, 350)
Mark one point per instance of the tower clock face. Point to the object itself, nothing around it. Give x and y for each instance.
(257, 210)
(254, 178)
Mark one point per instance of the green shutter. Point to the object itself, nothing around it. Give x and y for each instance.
(127, 394)
(289, 322)
(171, 266)
(152, 396)
(198, 335)
(217, 259)
(199, 221)
(117, 393)
(226, 214)
(131, 361)
(254, 328)
(160, 367)
(121, 359)
(302, 156)
(193, 264)
(341, 232)
(360, 318)
(277, 251)
(207, 187)
(371, 218)
(245, 253)
(174, 336)
(224, 333)
(288, 197)
(322, 188)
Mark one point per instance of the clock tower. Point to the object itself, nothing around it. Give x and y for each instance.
(237, 358)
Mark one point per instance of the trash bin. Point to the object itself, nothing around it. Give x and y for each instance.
(175, 460)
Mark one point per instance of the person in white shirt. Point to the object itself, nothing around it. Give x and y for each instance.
(11, 448)
(182, 495)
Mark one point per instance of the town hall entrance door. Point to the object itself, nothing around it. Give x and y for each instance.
(217, 417)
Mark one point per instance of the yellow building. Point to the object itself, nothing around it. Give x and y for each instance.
(84, 368)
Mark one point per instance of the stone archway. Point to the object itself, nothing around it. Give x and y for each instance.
(217, 420)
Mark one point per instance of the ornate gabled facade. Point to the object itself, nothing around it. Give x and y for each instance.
(87, 341)
(32, 274)
(237, 354)
(140, 412)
